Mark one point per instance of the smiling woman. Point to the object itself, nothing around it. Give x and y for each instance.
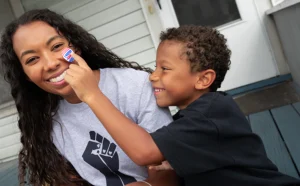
(40, 57)
(63, 142)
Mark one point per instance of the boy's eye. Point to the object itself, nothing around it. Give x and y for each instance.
(164, 68)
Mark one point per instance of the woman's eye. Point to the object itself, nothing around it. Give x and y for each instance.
(56, 46)
(30, 60)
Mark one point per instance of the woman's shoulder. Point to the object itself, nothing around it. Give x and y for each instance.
(124, 74)
(124, 71)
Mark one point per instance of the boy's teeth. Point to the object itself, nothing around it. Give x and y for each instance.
(59, 78)
(158, 89)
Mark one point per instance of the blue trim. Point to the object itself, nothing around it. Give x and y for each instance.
(260, 84)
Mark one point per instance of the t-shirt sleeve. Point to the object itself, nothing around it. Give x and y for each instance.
(191, 145)
(151, 117)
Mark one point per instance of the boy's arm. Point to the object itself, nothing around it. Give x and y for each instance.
(133, 139)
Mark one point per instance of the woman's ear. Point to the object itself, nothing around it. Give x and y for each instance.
(205, 79)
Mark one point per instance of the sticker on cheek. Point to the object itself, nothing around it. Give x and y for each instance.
(66, 53)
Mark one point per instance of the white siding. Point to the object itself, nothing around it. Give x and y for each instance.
(9, 132)
(118, 24)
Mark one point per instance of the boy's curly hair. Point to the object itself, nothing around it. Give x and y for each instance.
(206, 48)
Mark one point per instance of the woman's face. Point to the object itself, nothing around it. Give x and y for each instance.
(39, 47)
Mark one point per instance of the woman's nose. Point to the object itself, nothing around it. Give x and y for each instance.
(52, 63)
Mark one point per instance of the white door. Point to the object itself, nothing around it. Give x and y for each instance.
(252, 59)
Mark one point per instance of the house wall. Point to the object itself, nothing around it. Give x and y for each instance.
(272, 34)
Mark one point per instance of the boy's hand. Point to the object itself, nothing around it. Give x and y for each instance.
(163, 166)
(82, 79)
(159, 178)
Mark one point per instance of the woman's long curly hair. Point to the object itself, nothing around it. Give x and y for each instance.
(39, 157)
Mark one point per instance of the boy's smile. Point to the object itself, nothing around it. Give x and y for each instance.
(172, 81)
(158, 90)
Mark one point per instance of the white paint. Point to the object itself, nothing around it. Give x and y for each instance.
(126, 36)
(9, 119)
(252, 58)
(271, 33)
(144, 57)
(66, 6)
(10, 140)
(150, 10)
(118, 25)
(89, 9)
(282, 6)
(276, 2)
(138, 46)
(110, 14)
(8, 129)
(9, 152)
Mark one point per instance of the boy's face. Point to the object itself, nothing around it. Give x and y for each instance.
(172, 80)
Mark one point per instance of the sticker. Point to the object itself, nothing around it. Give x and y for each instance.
(67, 54)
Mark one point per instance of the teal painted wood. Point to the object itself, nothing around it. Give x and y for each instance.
(288, 122)
(297, 107)
(263, 125)
(259, 85)
(9, 173)
(11, 179)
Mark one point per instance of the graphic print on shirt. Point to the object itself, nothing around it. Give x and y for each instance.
(101, 154)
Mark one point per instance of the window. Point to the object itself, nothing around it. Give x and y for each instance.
(206, 12)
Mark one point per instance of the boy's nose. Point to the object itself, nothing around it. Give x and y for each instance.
(153, 77)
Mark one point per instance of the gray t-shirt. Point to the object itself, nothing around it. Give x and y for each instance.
(82, 139)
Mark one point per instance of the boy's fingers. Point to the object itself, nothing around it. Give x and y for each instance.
(79, 60)
(163, 166)
(70, 56)
(157, 167)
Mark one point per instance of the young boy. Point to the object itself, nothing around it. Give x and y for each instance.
(210, 141)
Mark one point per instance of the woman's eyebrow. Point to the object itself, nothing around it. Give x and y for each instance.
(53, 38)
(27, 52)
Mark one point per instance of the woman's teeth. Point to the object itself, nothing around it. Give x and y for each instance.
(59, 78)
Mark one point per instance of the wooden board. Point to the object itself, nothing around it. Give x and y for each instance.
(288, 123)
(262, 124)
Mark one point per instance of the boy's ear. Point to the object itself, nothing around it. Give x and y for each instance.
(205, 79)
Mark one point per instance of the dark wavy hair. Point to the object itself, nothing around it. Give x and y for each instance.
(39, 159)
(205, 48)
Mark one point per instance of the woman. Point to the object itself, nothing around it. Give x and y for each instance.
(58, 131)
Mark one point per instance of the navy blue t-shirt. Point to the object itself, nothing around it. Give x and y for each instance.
(211, 143)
